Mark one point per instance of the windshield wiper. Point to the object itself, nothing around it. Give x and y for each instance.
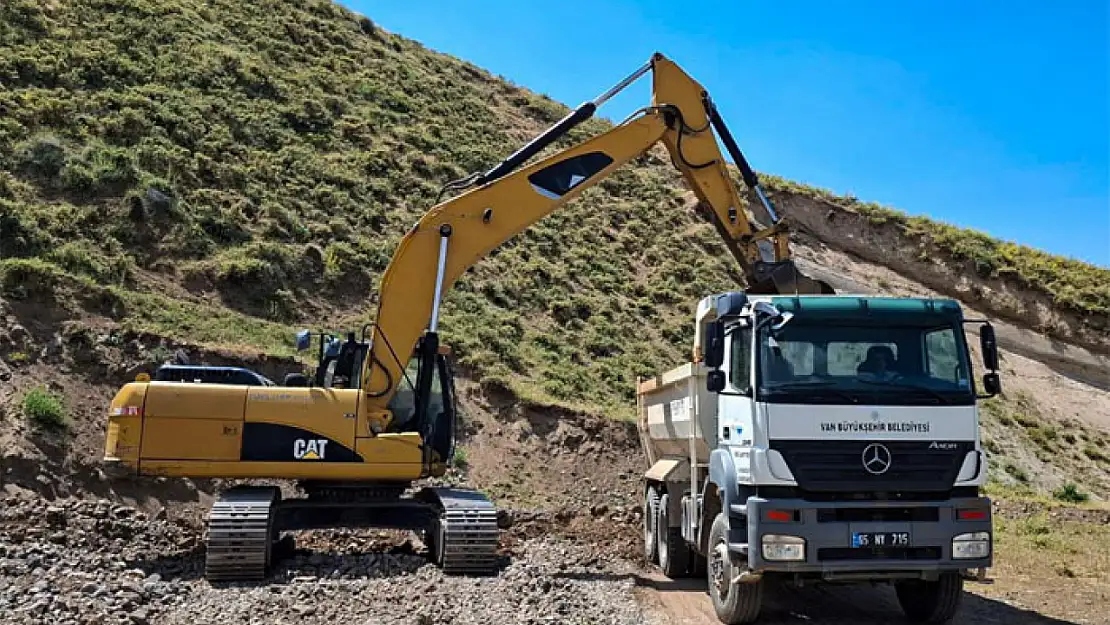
(909, 387)
(812, 384)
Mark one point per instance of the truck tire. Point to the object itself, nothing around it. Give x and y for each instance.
(931, 602)
(674, 554)
(651, 524)
(734, 602)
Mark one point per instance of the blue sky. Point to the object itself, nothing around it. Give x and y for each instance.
(993, 115)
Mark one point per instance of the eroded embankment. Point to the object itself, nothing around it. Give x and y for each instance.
(918, 257)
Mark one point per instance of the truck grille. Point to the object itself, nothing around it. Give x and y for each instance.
(839, 465)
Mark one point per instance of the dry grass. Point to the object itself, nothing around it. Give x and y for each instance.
(1051, 556)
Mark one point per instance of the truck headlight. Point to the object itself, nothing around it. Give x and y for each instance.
(781, 547)
(974, 545)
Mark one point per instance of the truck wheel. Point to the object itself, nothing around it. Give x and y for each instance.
(734, 602)
(674, 554)
(931, 602)
(651, 524)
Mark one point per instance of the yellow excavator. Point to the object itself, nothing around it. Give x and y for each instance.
(380, 412)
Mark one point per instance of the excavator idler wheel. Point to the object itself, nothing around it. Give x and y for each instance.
(241, 533)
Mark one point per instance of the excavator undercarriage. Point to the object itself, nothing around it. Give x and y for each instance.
(458, 526)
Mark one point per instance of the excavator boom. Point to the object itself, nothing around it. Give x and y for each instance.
(507, 199)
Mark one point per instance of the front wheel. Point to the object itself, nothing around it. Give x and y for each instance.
(734, 602)
(931, 602)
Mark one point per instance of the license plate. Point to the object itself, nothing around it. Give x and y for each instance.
(880, 539)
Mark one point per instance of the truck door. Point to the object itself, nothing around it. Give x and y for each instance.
(736, 410)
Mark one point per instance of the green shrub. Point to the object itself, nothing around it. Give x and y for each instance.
(45, 409)
(1070, 493)
(460, 458)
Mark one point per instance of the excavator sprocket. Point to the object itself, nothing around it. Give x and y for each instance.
(241, 534)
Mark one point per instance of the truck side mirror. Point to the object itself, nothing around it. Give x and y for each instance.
(715, 344)
(989, 346)
(715, 381)
(992, 384)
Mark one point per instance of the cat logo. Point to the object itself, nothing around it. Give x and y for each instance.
(312, 449)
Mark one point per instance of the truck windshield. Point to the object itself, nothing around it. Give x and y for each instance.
(867, 364)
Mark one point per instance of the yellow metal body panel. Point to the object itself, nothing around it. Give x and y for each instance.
(325, 411)
(391, 449)
(191, 439)
(125, 428)
(288, 470)
(195, 401)
(124, 436)
(213, 430)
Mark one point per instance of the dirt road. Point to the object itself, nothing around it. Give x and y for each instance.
(685, 602)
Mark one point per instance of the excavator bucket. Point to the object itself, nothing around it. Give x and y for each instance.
(784, 278)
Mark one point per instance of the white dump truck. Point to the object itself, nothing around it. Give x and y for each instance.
(821, 438)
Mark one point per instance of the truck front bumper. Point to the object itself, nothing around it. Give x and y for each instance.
(863, 539)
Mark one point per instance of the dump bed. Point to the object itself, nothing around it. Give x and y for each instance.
(673, 408)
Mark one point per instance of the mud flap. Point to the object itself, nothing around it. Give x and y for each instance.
(669, 474)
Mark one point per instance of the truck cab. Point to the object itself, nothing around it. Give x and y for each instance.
(830, 438)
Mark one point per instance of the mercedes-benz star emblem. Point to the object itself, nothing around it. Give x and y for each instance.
(876, 459)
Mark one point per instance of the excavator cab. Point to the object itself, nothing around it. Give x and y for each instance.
(340, 362)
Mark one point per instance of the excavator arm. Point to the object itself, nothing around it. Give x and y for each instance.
(457, 233)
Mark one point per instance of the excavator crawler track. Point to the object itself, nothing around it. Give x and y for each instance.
(465, 536)
(241, 534)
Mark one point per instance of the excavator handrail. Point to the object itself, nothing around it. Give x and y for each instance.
(499, 203)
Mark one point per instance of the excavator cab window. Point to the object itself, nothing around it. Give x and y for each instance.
(444, 413)
(442, 404)
(403, 403)
(348, 363)
(340, 362)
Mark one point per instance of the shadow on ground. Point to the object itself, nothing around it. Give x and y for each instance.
(686, 601)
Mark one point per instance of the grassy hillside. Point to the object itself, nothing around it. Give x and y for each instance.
(226, 172)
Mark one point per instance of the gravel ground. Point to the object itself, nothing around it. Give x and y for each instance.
(96, 563)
